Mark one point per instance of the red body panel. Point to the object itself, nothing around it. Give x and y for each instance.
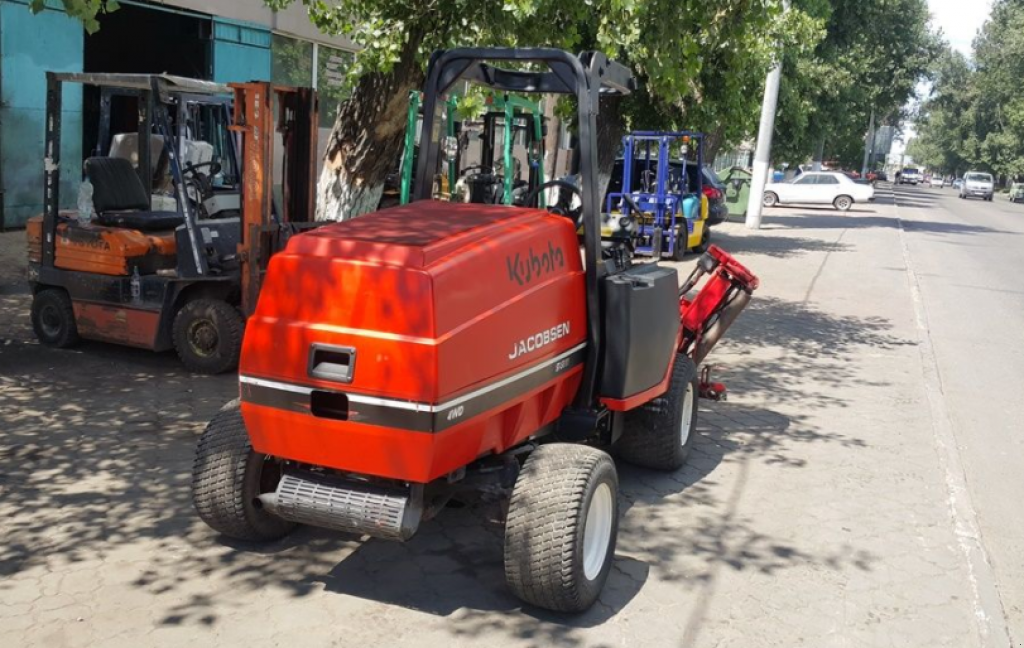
(475, 309)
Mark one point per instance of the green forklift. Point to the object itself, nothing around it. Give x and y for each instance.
(479, 161)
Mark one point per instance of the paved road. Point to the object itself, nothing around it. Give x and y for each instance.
(969, 258)
(815, 512)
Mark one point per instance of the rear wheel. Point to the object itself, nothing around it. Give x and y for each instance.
(843, 203)
(208, 336)
(227, 478)
(682, 240)
(770, 199)
(53, 318)
(705, 240)
(561, 527)
(660, 433)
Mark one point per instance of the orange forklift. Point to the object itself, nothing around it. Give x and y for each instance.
(184, 214)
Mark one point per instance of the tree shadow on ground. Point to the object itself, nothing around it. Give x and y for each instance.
(810, 221)
(815, 353)
(96, 447)
(780, 247)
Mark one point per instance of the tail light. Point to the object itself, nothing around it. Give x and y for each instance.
(713, 193)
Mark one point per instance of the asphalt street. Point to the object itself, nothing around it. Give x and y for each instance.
(968, 256)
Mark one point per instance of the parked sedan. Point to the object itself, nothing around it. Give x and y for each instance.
(714, 189)
(818, 188)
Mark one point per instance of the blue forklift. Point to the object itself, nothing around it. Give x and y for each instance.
(667, 191)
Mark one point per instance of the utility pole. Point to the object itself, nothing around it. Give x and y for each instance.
(763, 153)
(869, 144)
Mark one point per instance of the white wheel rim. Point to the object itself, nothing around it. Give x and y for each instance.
(598, 533)
(687, 418)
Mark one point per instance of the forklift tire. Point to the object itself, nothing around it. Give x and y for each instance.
(208, 336)
(228, 476)
(53, 318)
(659, 434)
(681, 241)
(561, 527)
(705, 240)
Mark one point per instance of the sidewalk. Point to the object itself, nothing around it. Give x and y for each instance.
(813, 512)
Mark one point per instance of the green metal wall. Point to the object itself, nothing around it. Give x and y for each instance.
(31, 45)
(241, 51)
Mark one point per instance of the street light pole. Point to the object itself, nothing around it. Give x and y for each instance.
(763, 153)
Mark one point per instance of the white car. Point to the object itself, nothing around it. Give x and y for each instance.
(978, 184)
(818, 188)
(937, 181)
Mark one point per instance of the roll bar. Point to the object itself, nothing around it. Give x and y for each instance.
(587, 76)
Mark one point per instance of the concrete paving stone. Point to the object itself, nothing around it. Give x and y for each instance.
(813, 512)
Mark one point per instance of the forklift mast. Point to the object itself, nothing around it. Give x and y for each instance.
(509, 108)
(261, 110)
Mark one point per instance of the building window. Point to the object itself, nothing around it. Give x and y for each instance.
(331, 82)
(291, 62)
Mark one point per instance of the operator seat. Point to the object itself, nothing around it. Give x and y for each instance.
(120, 199)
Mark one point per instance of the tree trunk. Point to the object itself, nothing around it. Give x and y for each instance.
(611, 126)
(713, 145)
(819, 153)
(552, 143)
(367, 138)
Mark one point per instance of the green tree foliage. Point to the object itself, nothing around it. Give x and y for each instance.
(702, 64)
(87, 11)
(945, 134)
(974, 116)
(873, 55)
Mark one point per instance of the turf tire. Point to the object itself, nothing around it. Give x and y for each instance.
(653, 434)
(546, 528)
(228, 476)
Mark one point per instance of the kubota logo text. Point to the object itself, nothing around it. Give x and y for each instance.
(524, 269)
(534, 342)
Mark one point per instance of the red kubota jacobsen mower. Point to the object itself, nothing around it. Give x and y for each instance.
(437, 351)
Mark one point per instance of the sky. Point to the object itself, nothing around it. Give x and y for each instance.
(959, 21)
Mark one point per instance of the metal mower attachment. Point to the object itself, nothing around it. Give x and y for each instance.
(442, 351)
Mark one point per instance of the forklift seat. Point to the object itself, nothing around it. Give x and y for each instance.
(120, 199)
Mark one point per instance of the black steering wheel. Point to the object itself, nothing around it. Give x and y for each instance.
(201, 181)
(481, 170)
(562, 207)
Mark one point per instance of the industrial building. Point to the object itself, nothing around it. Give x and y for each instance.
(219, 40)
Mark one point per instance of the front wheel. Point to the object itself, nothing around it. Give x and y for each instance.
(562, 524)
(770, 199)
(208, 336)
(228, 477)
(843, 203)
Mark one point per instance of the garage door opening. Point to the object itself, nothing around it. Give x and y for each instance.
(139, 40)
